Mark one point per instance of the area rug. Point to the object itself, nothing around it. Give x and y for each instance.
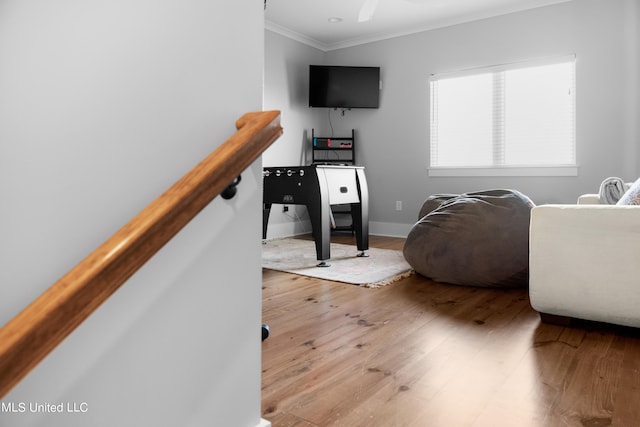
(381, 267)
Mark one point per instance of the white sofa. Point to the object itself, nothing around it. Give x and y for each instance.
(584, 261)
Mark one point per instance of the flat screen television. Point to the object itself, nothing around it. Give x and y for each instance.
(333, 86)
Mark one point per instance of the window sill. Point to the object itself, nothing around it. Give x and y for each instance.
(505, 171)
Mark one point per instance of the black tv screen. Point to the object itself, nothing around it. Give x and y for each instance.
(344, 87)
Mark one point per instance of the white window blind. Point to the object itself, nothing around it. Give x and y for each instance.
(519, 115)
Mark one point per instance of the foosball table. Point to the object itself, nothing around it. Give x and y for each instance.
(318, 187)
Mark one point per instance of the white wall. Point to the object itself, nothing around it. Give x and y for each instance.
(632, 47)
(393, 140)
(286, 86)
(103, 105)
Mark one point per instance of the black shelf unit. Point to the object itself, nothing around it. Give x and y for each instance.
(333, 151)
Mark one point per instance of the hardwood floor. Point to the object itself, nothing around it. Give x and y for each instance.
(418, 353)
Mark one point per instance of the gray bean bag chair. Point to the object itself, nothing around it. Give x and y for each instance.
(476, 239)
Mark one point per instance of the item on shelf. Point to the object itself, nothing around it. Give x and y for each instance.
(333, 151)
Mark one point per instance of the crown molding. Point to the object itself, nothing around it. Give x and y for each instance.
(278, 29)
(371, 38)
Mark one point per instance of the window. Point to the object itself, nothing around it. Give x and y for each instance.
(514, 119)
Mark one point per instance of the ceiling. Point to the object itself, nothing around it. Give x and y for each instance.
(308, 20)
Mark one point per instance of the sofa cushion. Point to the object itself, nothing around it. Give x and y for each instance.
(631, 196)
(478, 239)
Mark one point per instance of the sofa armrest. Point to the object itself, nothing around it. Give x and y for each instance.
(583, 262)
(589, 199)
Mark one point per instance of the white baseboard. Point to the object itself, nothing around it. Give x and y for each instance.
(390, 229)
(264, 423)
(290, 229)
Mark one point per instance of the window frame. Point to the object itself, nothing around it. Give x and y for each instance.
(505, 170)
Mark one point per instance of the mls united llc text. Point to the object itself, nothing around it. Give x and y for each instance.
(43, 407)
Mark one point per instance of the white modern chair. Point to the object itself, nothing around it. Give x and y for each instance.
(584, 262)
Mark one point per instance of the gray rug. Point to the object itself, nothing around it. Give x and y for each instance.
(381, 267)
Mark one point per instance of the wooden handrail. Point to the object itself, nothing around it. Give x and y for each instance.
(40, 327)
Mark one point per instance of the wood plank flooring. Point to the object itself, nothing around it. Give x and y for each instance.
(418, 353)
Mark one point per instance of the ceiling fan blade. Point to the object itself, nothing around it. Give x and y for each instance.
(367, 10)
